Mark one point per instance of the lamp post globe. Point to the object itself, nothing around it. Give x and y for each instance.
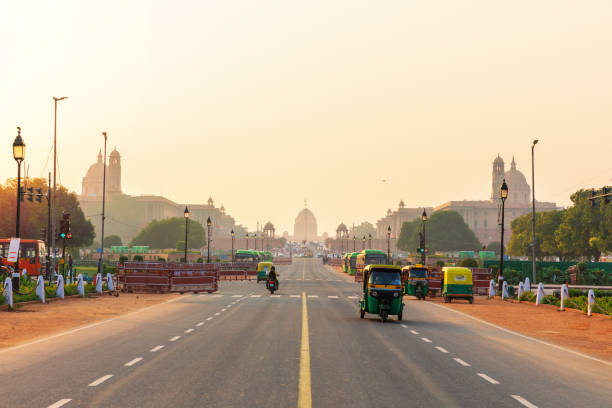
(208, 225)
(233, 235)
(424, 215)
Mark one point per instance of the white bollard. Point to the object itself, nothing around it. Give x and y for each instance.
(492, 289)
(591, 300)
(99, 283)
(505, 290)
(110, 283)
(564, 296)
(59, 291)
(80, 285)
(521, 289)
(8, 292)
(527, 285)
(24, 272)
(540, 296)
(40, 288)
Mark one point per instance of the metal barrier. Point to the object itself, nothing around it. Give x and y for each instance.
(282, 260)
(161, 277)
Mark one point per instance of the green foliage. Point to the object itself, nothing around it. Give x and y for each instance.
(180, 245)
(166, 233)
(495, 247)
(469, 263)
(2, 299)
(112, 240)
(444, 231)
(200, 260)
(363, 230)
(440, 263)
(123, 258)
(138, 258)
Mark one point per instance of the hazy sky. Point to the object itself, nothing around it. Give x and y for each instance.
(262, 104)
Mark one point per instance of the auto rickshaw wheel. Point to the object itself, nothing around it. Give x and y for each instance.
(361, 313)
(446, 299)
(399, 316)
(471, 300)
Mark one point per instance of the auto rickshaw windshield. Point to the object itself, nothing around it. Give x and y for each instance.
(418, 273)
(378, 277)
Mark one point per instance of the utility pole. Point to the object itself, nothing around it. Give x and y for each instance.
(54, 207)
(533, 214)
(100, 263)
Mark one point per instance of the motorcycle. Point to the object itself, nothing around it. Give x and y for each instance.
(271, 286)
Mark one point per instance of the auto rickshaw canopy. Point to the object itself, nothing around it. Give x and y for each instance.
(455, 275)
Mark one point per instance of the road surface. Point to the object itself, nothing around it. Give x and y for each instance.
(306, 346)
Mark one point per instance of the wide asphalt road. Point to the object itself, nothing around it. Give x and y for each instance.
(305, 346)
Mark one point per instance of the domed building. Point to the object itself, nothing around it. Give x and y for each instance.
(305, 226)
(482, 215)
(93, 181)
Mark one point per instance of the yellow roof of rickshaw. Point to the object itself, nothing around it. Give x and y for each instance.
(457, 274)
(420, 266)
(262, 265)
(381, 266)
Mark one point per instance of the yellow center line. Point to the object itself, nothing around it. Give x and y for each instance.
(304, 388)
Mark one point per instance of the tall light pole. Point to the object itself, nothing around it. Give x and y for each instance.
(424, 243)
(370, 240)
(354, 239)
(363, 246)
(19, 155)
(101, 261)
(389, 244)
(533, 215)
(255, 238)
(53, 209)
(208, 226)
(503, 195)
(186, 214)
(247, 241)
(233, 235)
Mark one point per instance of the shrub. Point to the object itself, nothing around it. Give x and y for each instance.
(200, 260)
(440, 263)
(123, 258)
(469, 263)
(138, 258)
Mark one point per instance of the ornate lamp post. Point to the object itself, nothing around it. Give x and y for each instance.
(247, 241)
(208, 226)
(255, 239)
(354, 239)
(424, 243)
(363, 246)
(233, 245)
(370, 241)
(19, 156)
(389, 244)
(186, 213)
(503, 194)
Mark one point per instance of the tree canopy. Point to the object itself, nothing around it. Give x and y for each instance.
(34, 215)
(580, 231)
(363, 230)
(112, 240)
(161, 234)
(444, 231)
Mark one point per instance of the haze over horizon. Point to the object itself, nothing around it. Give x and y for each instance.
(264, 104)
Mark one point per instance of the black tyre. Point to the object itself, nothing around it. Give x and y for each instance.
(399, 317)
(471, 300)
(446, 299)
(361, 313)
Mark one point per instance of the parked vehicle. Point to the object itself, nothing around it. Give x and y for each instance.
(415, 278)
(32, 255)
(457, 284)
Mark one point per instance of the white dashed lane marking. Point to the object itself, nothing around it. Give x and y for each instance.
(425, 339)
(275, 296)
(414, 332)
(175, 338)
(200, 324)
(404, 326)
(294, 296)
(188, 331)
(210, 318)
(489, 379)
(237, 296)
(255, 296)
(223, 310)
(100, 380)
(154, 349)
(332, 297)
(313, 296)
(60, 403)
(217, 314)
(460, 361)
(353, 297)
(442, 349)
(134, 361)
(524, 401)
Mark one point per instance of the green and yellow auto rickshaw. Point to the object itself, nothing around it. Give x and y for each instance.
(382, 291)
(262, 270)
(457, 284)
(416, 281)
(352, 263)
(345, 262)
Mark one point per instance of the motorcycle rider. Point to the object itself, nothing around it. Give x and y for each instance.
(272, 276)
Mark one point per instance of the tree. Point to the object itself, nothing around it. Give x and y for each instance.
(112, 240)
(166, 233)
(180, 245)
(364, 230)
(547, 223)
(34, 215)
(469, 263)
(444, 231)
(579, 223)
(494, 246)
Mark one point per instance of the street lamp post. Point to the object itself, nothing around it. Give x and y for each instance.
(363, 246)
(233, 235)
(354, 239)
(533, 214)
(101, 261)
(424, 243)
(255, 239)
(19, 155)
(53, 209)
(389, 244)
(186, 213)
(208, 226)
(247, 241)
(503, 195)
(370, 241)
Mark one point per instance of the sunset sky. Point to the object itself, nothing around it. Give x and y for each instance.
(262, 104)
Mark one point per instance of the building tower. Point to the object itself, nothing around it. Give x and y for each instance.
(114, 172)
(497, 177)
